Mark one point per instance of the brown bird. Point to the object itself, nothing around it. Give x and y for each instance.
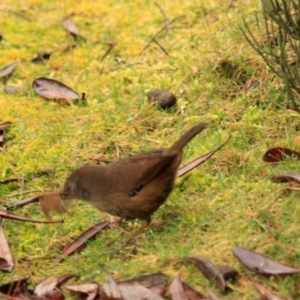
(133, 187)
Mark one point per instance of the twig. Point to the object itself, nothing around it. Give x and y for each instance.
(4, 8)
(161, 47)
(120, 66)
(165, 17)
(23, 193)
(229, 5)
(160, 31)
(111, 46)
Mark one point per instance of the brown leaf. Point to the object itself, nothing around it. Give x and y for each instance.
(45, 286)
(53, 89)
(70, 26)
(64, 278)
(280, 153)
(261, 264)
(73, 29)
(10, 180)
(41, 57)
(8, 70)
(79, 242)
(128, 291)
(212, 295)
(12, 90)
(51, 295)
(6, 258)
(9, 215)
(154, 282)
(48, 287)
(137, 292)
(266, 294)
(287, 177)
(198, 161)
(3, 129)
(15, 290)
(176, 289)
(111, 288)
(209, 270)
(191, 293)
(228, 272)
(24, 202)
(89, 289)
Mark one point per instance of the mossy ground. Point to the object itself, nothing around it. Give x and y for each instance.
(217, 77)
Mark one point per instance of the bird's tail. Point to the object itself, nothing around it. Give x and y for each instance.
(185, 138)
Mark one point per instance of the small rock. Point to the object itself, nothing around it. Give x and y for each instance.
(11, 90)
(165, 99)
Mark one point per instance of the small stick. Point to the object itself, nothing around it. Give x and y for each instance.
(164, 16)
(15, 13)
(111, 46)
(22, 193)
(229, 5)
(159, 32)
(161, 47)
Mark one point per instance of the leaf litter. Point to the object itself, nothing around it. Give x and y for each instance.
(53, 89)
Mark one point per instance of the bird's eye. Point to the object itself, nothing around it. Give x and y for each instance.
(135, 191)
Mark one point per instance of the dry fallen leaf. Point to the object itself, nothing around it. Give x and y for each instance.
(261, 264)
(41, 57)
(128, 291)
(198, 161)
(6, 258)
(4, 126)
(53, 89)
(155, 282)
(15, 290)
(287, 177)
(73, 29)
(209, 270)
(212, 295)
(192, 293)
(24, 202)
(280, 153)
(48, 288)
(266, 294)
(12, 90)
(91, 290)
(9, 215)
(176, 289)
(79, 242)
(8, 70)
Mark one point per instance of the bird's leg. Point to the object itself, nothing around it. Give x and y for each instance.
(137, 232)
(117, 222)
